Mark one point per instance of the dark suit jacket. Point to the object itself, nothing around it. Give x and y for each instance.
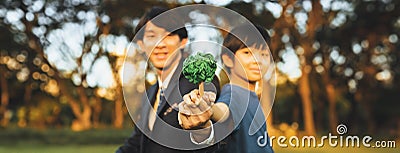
(177, 87)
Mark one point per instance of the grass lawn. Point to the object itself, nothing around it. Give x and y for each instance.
(17, 140)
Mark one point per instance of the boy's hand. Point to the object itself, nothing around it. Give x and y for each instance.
(195, 111)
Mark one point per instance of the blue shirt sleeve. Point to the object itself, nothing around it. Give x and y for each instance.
(225, 96)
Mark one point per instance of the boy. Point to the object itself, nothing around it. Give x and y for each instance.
(157, 128)
(246, 60)
(246, 57)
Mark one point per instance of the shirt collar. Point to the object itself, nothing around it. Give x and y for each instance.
(164, 85)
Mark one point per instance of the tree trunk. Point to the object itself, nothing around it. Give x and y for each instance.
(314, 22)
(296, 112)
(320, 114)
(119, 99)
(333, 120)
(201, 89)
(119, 116)
(85, 118)
(366, 103)
(5, 118)
(305, 93)
(97, 107)
(27, 101)
(82, 121)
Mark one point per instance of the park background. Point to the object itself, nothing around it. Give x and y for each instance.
(338, 62)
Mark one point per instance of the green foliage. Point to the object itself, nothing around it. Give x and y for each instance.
(199, 68)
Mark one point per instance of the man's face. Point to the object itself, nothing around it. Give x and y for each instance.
(250, 63)
(160, 46)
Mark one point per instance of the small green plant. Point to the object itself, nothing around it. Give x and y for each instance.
(200, 68)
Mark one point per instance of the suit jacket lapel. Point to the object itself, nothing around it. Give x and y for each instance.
(172, 94)
(148, 104)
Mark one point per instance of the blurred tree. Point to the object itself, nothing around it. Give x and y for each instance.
(13, 70)
(352, 53)
(370, 51)
(60, 38)
(287, 30)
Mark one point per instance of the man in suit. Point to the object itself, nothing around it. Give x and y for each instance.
(158, 129)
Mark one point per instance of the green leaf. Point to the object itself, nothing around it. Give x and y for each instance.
(199, 68)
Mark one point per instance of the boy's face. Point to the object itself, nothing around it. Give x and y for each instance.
(250, 63)
(160, 46)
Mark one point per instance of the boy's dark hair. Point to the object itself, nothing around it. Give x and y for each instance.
(245, 36)
(170, 24)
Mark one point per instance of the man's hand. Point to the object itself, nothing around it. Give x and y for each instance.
(195, 111)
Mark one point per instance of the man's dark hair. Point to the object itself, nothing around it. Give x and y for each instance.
(244, 36)
(171, 22)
